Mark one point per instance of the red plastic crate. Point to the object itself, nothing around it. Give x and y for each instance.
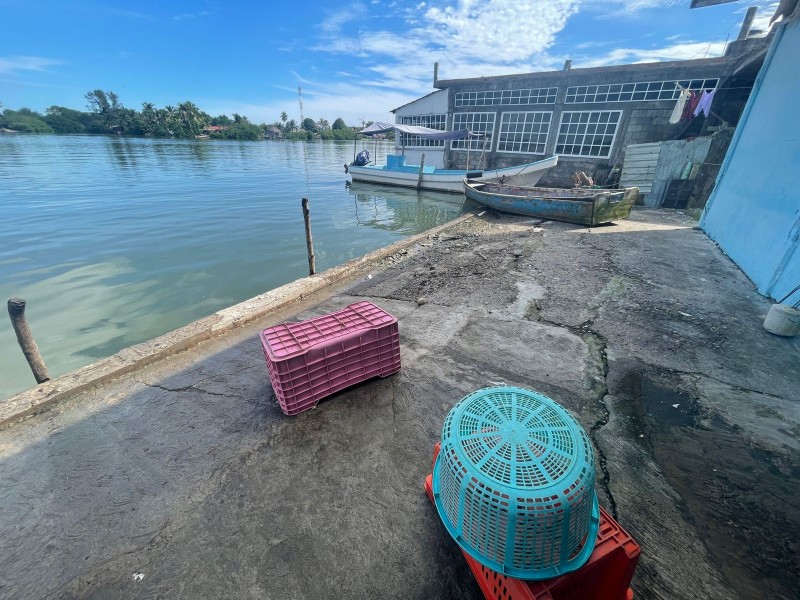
(606, 575)
(312, 359)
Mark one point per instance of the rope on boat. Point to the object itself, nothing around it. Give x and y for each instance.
(511, 177)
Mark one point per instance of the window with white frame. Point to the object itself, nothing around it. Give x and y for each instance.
(587, 133)
(430, 121)
(634, 92)
(476, 122)
(510, 97)
(523, 132)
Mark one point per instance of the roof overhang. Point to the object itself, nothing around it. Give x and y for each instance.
(704, 3)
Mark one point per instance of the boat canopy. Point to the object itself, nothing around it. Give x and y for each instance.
(423, 132)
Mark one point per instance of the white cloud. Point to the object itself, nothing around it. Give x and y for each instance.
(633, 6)
(764, 14)
(593, 44)
(507, 30)
(185, 16)
(627, 9)
(467, 37)
(681, 51)
(11, 64)
(335, 20)
(127, 14)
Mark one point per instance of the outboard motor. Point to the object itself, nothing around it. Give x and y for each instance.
(362, 158)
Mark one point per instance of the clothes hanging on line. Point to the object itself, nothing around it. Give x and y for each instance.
(677, 112)
(691, 104)
(704, 105)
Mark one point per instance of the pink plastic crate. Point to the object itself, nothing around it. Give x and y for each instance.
(312, 359)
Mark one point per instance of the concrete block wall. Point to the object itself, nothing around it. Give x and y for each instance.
(649, 125)
(641, 121)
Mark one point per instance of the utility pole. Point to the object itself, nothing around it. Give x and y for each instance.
(300, 95)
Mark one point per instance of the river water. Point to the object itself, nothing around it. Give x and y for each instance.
(113, 241)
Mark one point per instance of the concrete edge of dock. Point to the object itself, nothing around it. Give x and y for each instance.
(134, 358)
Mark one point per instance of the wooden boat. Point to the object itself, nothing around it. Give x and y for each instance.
(397, 172)
(582, 206)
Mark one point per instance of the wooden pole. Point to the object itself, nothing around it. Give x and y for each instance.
(309, 241)
(16, 310)
(421, 168)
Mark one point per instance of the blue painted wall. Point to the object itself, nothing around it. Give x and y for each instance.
(754, 211)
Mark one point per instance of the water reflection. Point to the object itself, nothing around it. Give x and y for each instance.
(116, 240)
(396, 209)
(128, 153)
(123, 152)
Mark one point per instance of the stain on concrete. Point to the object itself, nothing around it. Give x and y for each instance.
(737, 493)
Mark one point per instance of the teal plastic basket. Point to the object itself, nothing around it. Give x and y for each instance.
(514, 483)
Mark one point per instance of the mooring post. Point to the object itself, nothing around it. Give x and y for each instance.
(16, 310)
(309, 241)
(421, 167)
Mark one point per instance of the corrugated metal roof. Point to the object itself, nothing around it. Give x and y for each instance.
(639, 167)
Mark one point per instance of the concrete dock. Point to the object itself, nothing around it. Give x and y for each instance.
(179, 477)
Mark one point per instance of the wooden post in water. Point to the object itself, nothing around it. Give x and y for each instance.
(309, 241)
(421, 167)
(16, 310)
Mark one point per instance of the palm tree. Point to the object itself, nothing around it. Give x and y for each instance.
(323, 124)
(189, 116)
(168, 116)
(284, 116)
(149, 118)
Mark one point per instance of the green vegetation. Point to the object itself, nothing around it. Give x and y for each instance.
(107, 115)
(24, 119)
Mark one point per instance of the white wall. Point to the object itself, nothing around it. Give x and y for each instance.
(432, 104)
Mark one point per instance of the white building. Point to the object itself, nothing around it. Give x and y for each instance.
(428, 111)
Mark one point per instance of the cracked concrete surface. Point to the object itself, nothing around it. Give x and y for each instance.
(187, 474)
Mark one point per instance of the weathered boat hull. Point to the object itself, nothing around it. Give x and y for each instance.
(584, 207)
(447, 180)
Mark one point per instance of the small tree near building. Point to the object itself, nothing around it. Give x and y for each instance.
(309, 125)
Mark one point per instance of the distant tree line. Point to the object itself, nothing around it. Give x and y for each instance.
(107, 115)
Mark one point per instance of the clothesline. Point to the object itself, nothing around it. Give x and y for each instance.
(736, 87)
(691, 104)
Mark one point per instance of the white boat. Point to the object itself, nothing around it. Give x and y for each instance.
(397, 172)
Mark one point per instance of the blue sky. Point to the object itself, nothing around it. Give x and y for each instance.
(353, 59)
